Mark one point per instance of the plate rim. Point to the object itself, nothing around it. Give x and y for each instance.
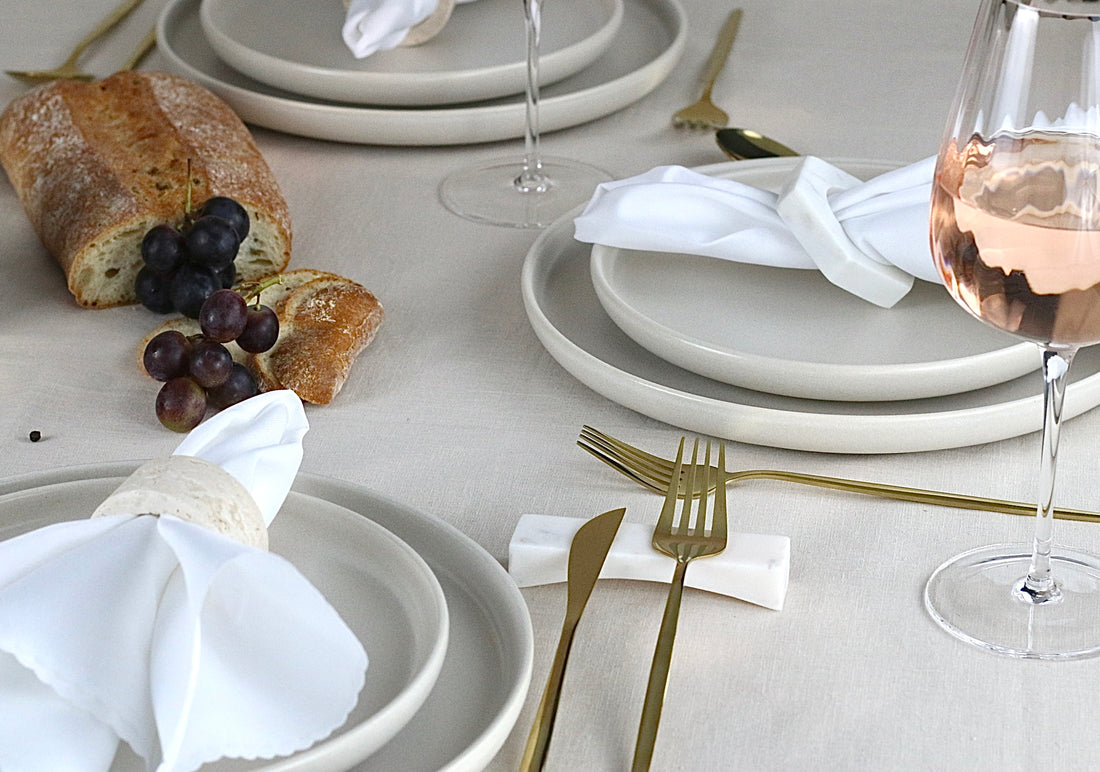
(403, 89)
(775, 427)
(791, 378)
(508, 603)
(431, 126)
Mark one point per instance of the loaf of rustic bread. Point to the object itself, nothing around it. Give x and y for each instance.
(96, 165)
(325, 321)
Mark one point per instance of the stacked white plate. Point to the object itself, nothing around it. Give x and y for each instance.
(781, 357)
(447, 631)
(283, 64)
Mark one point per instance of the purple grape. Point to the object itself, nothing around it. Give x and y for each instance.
(223, 315)
(181, 404)
(162, 249)
(211, 242)
(239, 386)
(210, 363)
(153, 290)
(261, 331)
(190, 288)
(227, 275)
(167, 355)
(230, 211)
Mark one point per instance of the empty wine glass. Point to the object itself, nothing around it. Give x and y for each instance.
(1016, 235)
(528, 195)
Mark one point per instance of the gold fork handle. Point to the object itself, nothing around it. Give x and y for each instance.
(918, 495)
(658, 673)
(721, 50)
(117, 15)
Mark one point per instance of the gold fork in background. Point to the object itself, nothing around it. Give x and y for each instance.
(703, 114)
(655, 473)
(69, 68)
(685, 539)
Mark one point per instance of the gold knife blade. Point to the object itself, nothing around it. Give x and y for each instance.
(587, 553)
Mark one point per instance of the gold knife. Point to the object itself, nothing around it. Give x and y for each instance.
(587, 553)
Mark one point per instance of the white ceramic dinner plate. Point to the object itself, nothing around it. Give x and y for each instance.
(360, 550)
(478, 55)
(789, 331)
(646, 47)
(568, 319)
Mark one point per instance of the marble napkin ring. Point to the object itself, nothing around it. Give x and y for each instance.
(804, 206)
(429, 27)
(194, 490)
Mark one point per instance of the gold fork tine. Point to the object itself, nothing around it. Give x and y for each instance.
(654, 473)
(685, 540)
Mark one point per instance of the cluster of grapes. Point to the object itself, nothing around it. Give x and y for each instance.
(198, 372)
(182, 268)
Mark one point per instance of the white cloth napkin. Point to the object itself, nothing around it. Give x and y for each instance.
(379, 25)
(753, 567)
(870, 238)
(167, 635)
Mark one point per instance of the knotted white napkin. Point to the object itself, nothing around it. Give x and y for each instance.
(870, 238)
(379, 25)
(167, 635)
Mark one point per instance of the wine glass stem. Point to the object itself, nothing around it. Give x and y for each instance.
(1039, 586)
(532, 179)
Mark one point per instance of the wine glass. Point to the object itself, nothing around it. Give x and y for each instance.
(1015, 231)
(528, 195)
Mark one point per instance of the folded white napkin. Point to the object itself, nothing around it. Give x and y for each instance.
(166, 634)
(753, 567)
(379, 25)
(870, 238)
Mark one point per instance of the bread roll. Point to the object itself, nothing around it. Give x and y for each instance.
(96, 165)
(325, 321)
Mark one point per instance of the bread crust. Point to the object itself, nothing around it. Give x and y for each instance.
(96, 165)
(325, 321)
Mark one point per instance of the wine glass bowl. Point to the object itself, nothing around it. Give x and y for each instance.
(1015, 229)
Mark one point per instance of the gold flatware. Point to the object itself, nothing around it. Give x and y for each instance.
(69, 68)
(655, 472)
(744, 144)
(685, 539)
(587, 553)
(704, 114)
(147, 44)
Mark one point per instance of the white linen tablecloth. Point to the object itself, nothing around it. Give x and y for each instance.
(457, 409)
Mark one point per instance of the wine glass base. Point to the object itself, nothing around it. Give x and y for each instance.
(489, 194)
(975, 597)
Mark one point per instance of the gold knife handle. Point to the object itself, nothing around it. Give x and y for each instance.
(658, 673)
(117, 15)
(721, 50)
(534, 755)
(144, 47)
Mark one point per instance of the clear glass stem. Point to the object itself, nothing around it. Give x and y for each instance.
(532, 179)
(1040, 586)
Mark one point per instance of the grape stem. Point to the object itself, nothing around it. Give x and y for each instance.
(253, 291)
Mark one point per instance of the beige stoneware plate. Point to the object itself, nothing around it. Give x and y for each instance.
(362, 551)
(572, 325)
(479, 54)
(789, 331)
(647, 46)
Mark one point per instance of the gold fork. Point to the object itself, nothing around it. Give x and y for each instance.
(703, 114)
(684, 539)
(69, 69)
(655, 473)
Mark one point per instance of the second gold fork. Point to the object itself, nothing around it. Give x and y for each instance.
(654, 473)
